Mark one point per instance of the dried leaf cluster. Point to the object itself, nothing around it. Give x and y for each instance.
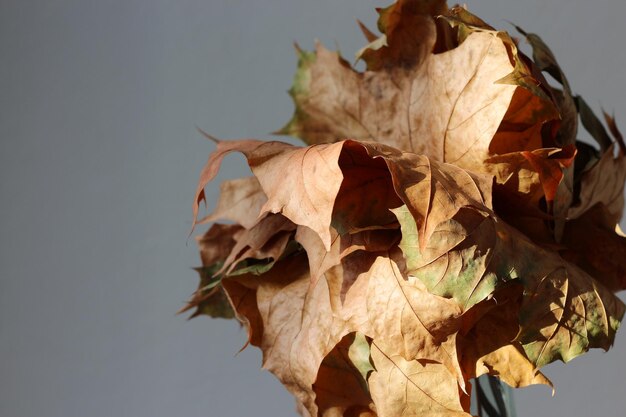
(442, 222)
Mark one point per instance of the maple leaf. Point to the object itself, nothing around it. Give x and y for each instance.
(305, 200)
(408, 388)
(241, 201)
(407, 103)
(341, 387)
(487, 342)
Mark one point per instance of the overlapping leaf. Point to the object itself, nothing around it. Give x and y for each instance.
(443, 224)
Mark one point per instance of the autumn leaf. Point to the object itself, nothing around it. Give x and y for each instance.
(241, 201)
(341, 384)
(408, 105)
(408, 388)
(266, 240)
(564, 312)
(294, 346)
(458, 262)
(305, 200)
(489, 346)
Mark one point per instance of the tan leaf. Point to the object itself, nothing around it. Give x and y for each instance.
(240, 200)
(406, 317)
(408, 23)
(266, 240)
(545, 60)
(321, 260)
(366, 193)
(211, 168)
(295, 322)
(451, 119)
(402, 388)
(534, 174)
(565, 312)
(432, 191)
(242, 295)
(300, 183)
(464, 260)
(535, 184)
(217, 242)
(522, 125)
(418, 324)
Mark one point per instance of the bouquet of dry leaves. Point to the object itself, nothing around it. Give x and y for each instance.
(442, 222)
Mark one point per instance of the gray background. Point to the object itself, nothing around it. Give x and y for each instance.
(98, 162)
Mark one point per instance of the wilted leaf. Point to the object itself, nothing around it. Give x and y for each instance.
(240, 200)
(304, 199)
(321, 260)
(402, 388)
(409, 32)
(612, 124)
(366, 193)
(217, 242)
(544, 58)
(490, 346)
(465, 259)
(533, 175)
(408, 106)
(415, 323)
(341, 387)
(266, 240)
(433, 192)
(565, 312)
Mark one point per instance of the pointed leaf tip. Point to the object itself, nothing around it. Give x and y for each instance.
(208, 136)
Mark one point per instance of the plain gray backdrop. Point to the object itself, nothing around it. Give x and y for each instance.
(99, 157)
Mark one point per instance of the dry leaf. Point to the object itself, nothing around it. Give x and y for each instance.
(305, 200)
(341, 387)
(402, 388)
(489, 347)
(241, 201)
(411, 106)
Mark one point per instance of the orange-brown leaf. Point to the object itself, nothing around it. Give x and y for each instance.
(407, 388)
(300, 183)
(414, 108)
(240, 200)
